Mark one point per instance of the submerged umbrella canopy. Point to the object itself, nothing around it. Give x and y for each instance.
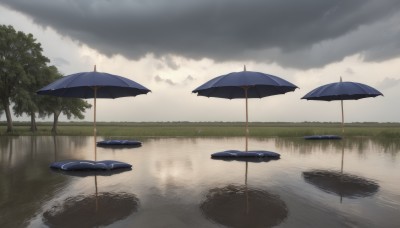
(342, 91)
(93, 85)
(244, 84)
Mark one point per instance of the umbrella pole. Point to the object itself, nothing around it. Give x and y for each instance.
(341, 167)
(95, 184)
(247, 194)
(94, 124)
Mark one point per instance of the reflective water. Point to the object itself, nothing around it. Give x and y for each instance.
(175, 183)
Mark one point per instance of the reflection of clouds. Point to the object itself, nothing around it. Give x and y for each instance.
(172, 172)
(389, 83)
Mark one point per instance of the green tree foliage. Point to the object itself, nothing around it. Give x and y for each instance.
(71, 107)
(21, 61)
(26, 101)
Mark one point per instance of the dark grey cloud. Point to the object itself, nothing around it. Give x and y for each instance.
(293, 33)
(159, 79)
(60, 62)
(189, 79)
(388, 83)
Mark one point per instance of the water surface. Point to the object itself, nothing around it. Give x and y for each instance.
(174, 183)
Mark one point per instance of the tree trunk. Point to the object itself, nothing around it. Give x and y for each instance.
(6, 106)
(55, 122)
(33, 122)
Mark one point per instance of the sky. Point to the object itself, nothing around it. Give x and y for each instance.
(174, 46)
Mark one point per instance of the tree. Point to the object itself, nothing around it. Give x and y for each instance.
(71, 107)
(20, 59)
(26, 101)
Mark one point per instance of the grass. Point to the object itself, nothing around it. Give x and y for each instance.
(208, 129)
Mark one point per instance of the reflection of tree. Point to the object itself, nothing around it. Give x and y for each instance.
(25, 182)
(360, 144)
(25, 178)
(4, 141)
(307, 146)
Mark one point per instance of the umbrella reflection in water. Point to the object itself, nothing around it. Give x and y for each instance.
(93, 210)
(243, 206)
(340, 183)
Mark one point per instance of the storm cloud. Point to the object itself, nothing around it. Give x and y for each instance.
(298, 34)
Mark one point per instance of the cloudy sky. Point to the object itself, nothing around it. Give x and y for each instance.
(172, 47)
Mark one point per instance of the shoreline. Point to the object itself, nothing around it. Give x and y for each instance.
(207, 129)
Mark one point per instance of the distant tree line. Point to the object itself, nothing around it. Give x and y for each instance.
(23, 71)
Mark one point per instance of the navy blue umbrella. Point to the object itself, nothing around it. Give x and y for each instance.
(93, 85)
(244, 84)
(342, 91)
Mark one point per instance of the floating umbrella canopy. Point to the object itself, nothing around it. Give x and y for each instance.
(93, 85)
(342, 91)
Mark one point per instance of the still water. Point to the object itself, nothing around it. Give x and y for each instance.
(174, 183)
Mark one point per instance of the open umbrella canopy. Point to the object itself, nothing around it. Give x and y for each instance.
(82, 85)
(93, 85)
(342, 91)
(244, 84)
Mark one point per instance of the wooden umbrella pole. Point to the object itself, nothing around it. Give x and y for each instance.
(341, 166)
(95, 184)
(247, 193)
(94, 124)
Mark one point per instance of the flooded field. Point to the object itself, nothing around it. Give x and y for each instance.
(174, 183)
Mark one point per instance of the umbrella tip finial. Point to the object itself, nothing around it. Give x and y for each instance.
(94, 68)
(244, 67)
